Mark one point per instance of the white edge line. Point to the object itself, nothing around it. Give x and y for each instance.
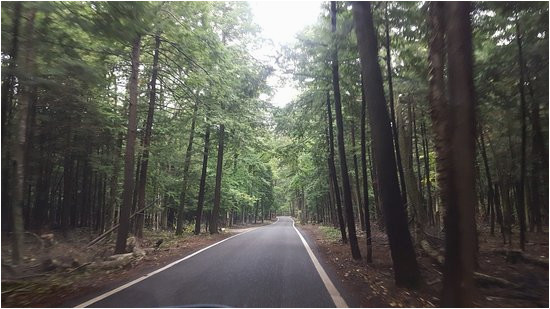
(124, 286)
(334, 294)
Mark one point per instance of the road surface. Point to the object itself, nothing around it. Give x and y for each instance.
(269, 266)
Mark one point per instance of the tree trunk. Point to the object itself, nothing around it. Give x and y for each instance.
(332, 172)
(124, 218)
(20, 147)
(346, 187)
(202, 185)
(147, 139)
(395, 133)
(454, 126)
(521, 187)
(406, 270)
(427, 174)
(218, 188)
(414, 199)
(186, 165)
(364, 171)
(357, 184)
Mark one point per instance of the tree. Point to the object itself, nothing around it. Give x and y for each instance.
(454, 126)
(406, 270)
(129, 152)
(200, 203)
(146, 141)
(364, 171)
(332, 172)
(346, 187)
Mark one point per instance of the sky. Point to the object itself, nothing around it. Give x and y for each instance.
(280, 22)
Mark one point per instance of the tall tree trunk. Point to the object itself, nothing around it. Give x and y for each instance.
(414, 198)
(357, 184)
(490, 191)
(8, 84)
(113, 184)
(364, 171)
(346, 187)
(186, 165)
(454, 127)
(124, 218)
(20, 147)
(332, 172)
(538, 156)
(395, 133)
(417, 153)
(147, 139)
(406, 270)
(218, 188)
(202, 184)
(523, 110)
(427, 173)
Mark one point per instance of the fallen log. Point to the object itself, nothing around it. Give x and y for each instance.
(514, 256)
(109, 231)
(480, 278)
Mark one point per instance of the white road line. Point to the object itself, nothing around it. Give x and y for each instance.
(122, 287)
(334, 294)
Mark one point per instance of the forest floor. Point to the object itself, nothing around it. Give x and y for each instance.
(53, 275)
(525, 285)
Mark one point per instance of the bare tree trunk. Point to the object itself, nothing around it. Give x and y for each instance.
(406, 270)
(20, 147)
(218, 188)
(147, 139)
(346, 187)
(357, 185)
(363, 125)
(332, 172)
(521, 187)
(454, 126)
(186, 165)
(395, 133)
(124, 218)
(202, 185)
(427, 174)
(415, 201)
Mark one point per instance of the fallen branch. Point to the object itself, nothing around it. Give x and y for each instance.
(80, 267)
(486, 279)
(480, 278)
(109, 231)
(515, 255)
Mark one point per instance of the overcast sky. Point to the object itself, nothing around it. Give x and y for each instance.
(280, 22)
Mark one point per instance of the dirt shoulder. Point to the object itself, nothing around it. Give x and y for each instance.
(36, 286)
(374, 285)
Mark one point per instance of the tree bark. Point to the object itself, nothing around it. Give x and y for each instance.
(332, 172)
(346, 187)
(147, 139)
(395, 132)
(357, 184)
(20, 147)
(523, 110)
(186, 165)
(202, 184)
(406, 270)
(218, 188)
(364, 172)
(454, 125)
(124, 218)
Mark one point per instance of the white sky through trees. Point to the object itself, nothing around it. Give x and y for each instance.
(280, 21)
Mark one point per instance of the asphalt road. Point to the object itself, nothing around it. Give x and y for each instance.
(266, 267)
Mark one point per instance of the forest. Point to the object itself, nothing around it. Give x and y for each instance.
(419, 125)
